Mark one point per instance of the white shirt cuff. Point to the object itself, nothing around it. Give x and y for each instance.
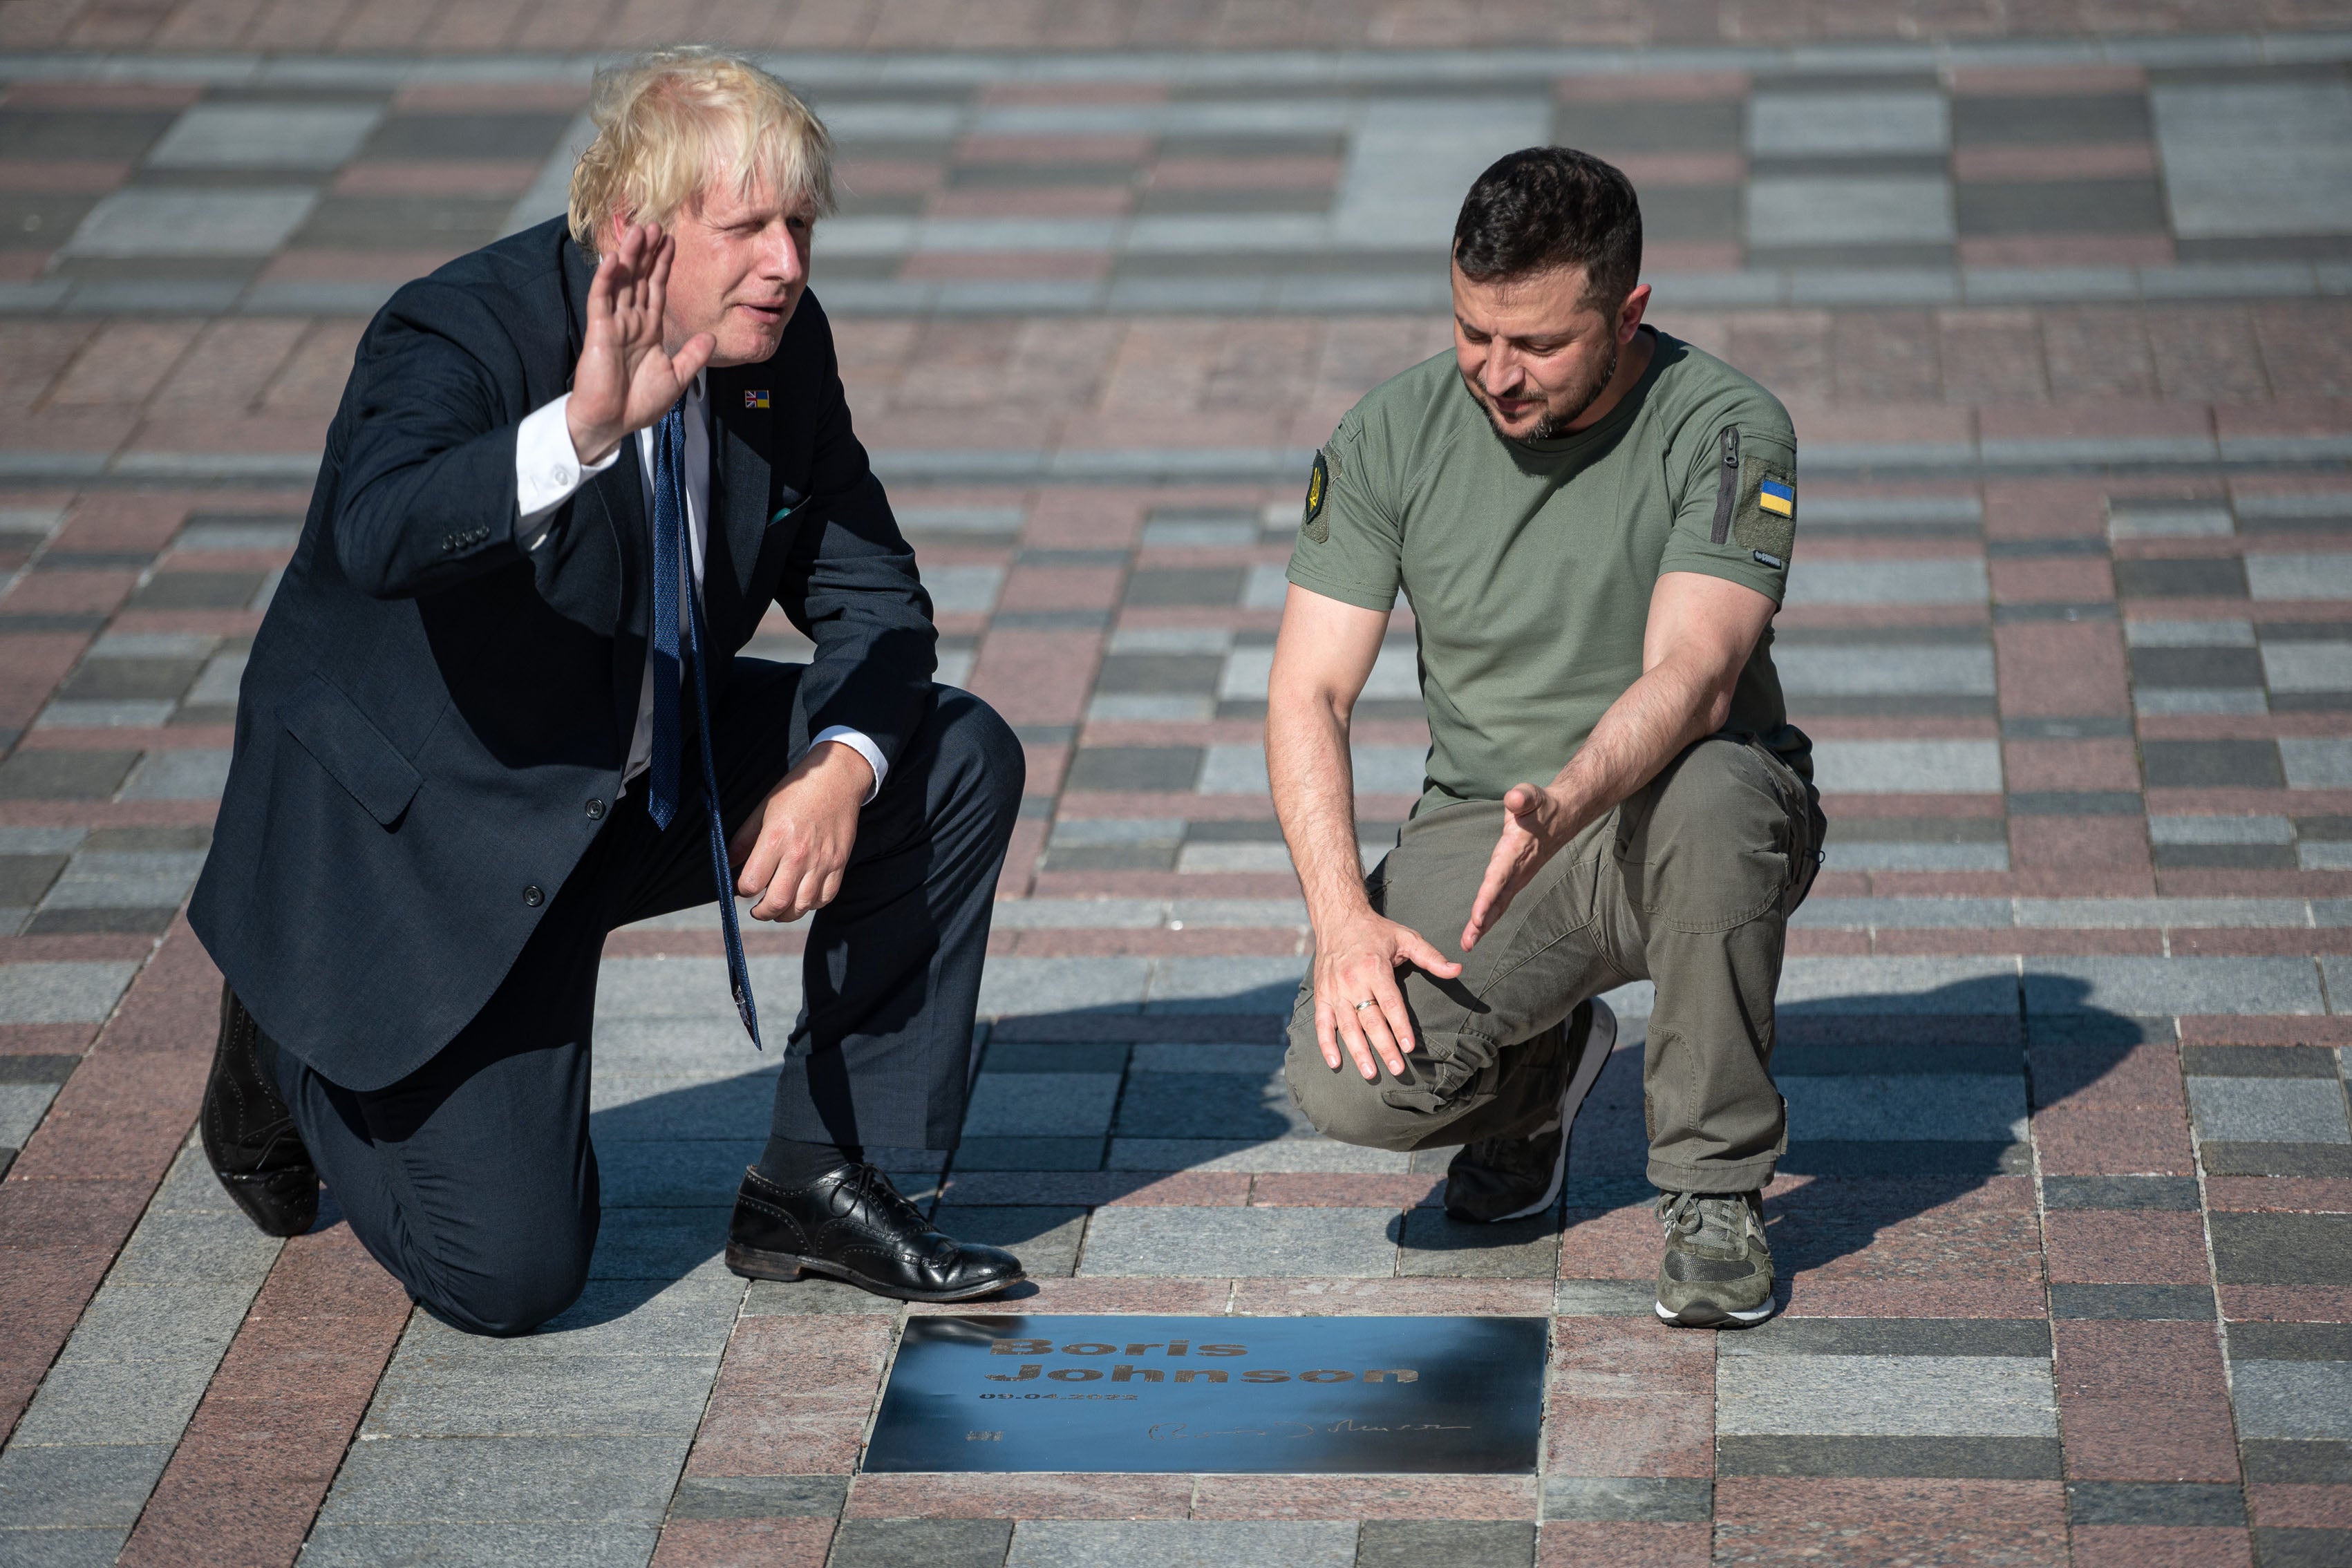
(547, 470)
(860, 743)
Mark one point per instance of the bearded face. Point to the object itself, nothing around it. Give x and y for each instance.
(1537, 353)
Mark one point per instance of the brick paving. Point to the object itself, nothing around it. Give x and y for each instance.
(2059, 299)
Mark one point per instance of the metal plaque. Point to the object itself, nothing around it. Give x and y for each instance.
(1460, 1396)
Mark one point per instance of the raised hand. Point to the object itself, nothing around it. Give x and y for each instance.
(625, 378)
(1533, 828)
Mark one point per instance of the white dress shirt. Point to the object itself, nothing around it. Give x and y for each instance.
(548, 471)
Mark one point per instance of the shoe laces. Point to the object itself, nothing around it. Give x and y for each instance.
(1714, 1221)
(868, 1183)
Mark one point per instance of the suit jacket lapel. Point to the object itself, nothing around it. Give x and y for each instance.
(740, 441)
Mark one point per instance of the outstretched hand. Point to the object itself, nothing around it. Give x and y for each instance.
(1535, 826)
(625, 378)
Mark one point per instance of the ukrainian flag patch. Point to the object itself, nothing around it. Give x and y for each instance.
(1777, 498)
(755, 400)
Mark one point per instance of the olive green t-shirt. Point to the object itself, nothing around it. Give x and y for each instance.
(1528, 564)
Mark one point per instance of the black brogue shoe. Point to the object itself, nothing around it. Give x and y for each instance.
(248, 1132)
(851, 1224)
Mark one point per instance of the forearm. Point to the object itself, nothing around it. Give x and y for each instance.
(1315, 799)
(1669, 707)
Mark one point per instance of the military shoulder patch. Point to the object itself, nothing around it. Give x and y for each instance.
(1755, 501)
(1314, 525)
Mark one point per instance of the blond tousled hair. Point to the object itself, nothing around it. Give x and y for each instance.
(672, 120)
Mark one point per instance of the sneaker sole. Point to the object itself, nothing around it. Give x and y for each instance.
(752, 1263)
(1603, 1040)
(1707, 1315)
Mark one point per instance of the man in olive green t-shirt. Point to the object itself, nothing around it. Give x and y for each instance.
(1591, 521)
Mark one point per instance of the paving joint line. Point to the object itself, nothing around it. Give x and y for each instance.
(1282, 68)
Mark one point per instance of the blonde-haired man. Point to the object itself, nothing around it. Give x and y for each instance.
(496, 710)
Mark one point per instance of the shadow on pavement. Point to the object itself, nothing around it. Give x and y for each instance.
(1901, 1103)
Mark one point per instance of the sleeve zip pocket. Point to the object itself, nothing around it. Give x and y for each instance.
(1727, 491)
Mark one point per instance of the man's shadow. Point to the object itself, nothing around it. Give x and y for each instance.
(1901, 1103)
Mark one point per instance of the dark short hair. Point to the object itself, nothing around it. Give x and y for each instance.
(1543, 207)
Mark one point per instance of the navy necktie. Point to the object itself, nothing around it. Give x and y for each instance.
(673, 564)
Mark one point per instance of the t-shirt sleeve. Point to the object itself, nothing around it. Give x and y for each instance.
(1351, 539)
(1738, 520)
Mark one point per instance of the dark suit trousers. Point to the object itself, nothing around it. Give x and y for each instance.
(473, 1180)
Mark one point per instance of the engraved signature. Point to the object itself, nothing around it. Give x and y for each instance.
(1165, 1431)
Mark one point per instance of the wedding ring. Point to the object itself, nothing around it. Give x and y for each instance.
(1368, 1002)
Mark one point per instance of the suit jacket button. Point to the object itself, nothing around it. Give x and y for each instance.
(595, 811)
(532, 896)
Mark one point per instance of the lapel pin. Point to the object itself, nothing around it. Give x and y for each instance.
(755, 400)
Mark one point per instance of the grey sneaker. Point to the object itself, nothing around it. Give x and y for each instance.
(1717, 1270)
(1494, 1179)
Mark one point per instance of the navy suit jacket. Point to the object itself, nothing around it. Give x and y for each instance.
(429, 710)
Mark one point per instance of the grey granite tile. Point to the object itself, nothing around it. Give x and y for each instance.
(2193, 1504)
(2147, 1304)
(921, 1542)
(1042, 1105)
(1349, 1243)
(147, 222)
(2270, 1110)
(1037, 985)
(760, 1497)
(1260, 1062)
(54, 1486)
(653, 1172)
(812, 1298)
(2292, 1399)
(1183, 1543)
(22, 1106)
(2315, 1463)
(1658, 1500)
(579, 1393)
(1885, 1396)
(1605, 1298)
(480, 1545)
(1045, 1239)
(1205, 1105)
(196, 774)
(2281, 1248)
(1786, 1336)
(126, 1323)
(1268, 986)
(1952, 1107)
(77, 1548)
(1280, 1155)
(61, 992)
(2290, 1342)
(538, 1479)
(1055, 1056)
(2137, 985)
(1029, 1154)
(1435, 1244)
(265, 135)
(1993, 1459)
(661, 1244)
(193, 1248)
(1445, 1543)
(115, 1402)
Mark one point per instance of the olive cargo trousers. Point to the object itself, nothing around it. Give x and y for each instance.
(1689, 882)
